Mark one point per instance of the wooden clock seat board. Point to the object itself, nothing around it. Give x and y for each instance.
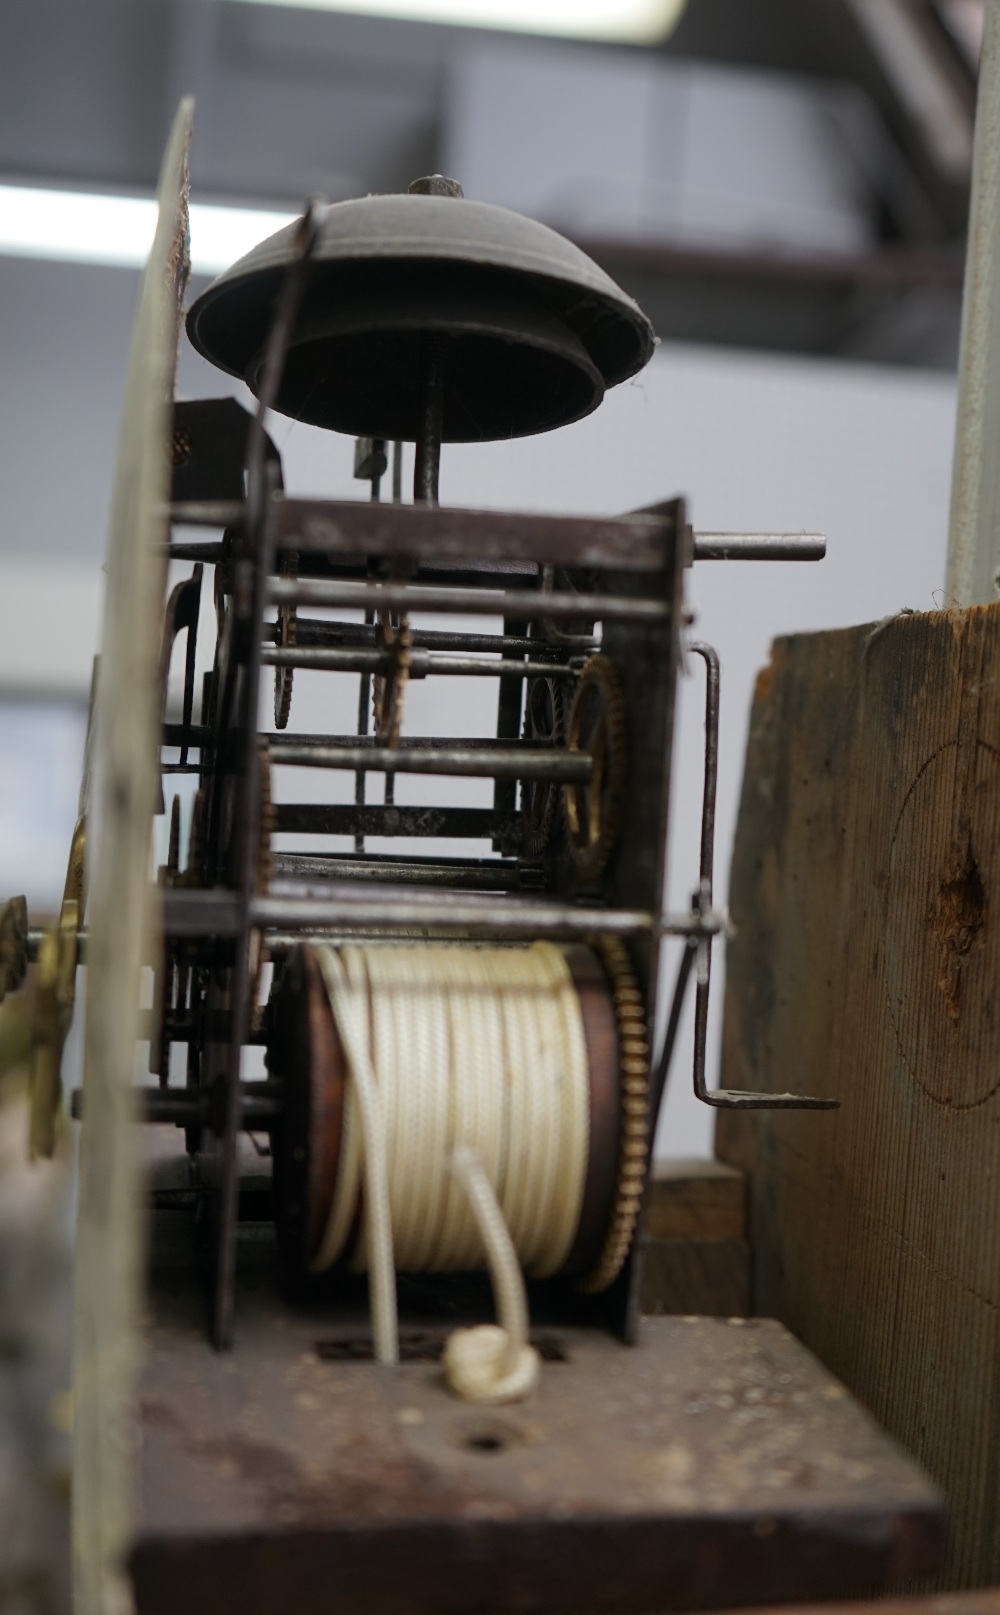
(715, 1463)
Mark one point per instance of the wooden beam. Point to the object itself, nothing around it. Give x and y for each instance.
(695, 1256)
(865, 895)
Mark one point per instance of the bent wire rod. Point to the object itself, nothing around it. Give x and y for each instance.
(699, 946)
(254, 557)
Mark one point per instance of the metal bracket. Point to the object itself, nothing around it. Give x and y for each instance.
(698, 950)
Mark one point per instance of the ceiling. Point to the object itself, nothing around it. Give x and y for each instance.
(292, 103)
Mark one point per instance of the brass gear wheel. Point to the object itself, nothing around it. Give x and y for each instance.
(633, 1142)
(544, 722)
(389, 688)
(596, 725)
(287, 637)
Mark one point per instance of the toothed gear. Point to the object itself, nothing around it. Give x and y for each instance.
(266, 829)
(596, 725)
(633, 1102)
(545, 722)
(268, 821)
(287, 637)
(389, 688)
(180, 447)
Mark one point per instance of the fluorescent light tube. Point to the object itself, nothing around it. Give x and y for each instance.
(79, 227)
(635, 21)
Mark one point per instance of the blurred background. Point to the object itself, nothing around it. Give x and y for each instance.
(782, 184)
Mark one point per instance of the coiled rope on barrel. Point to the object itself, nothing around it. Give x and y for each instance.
(452, 1046)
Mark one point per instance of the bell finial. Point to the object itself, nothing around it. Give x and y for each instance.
(435, 185)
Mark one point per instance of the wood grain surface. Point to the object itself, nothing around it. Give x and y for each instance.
(690, 1198)
(984, 1601)
(865, 881)
(695, 1254)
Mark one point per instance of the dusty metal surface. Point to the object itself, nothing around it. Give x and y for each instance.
(715, 1463)
(520, 330)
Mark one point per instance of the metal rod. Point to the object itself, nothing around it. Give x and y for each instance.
(661, 1071)
(364, 715)
(375, 819)
(555, 767)
(423, 664)
(256, 545)
(210, 551)
(182, 1028)
(758, 546)
(320, 631)
(458, 874)
(510, 701)
(713, 689)
(527, 603)
(207, 512)
(471, 915)
(199, 736)
(482, 743)
(721, 1098)
(424, 910)
(427, 460)
(261, 1105)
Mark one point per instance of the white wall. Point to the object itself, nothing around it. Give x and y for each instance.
(753, 441)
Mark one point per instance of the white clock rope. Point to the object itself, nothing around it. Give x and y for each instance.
(466, 1120)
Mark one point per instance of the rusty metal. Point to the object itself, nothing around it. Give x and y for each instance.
(256, 549)
(633, 543)
(719, 1098)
